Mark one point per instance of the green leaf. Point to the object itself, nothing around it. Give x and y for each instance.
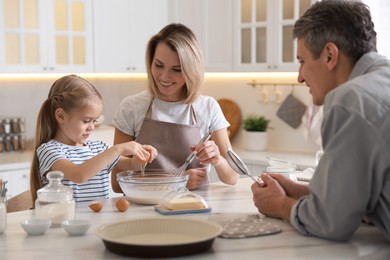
(253, 122)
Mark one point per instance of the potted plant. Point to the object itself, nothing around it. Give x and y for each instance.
(255, 134)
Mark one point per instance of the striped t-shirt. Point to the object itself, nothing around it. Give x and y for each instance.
(96, 187)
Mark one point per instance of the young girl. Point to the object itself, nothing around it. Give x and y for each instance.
(65, 121)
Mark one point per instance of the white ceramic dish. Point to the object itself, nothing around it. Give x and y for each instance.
(76, 227)
(36, 226)
(159, 237)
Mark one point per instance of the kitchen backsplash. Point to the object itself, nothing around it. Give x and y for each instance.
(23, 96)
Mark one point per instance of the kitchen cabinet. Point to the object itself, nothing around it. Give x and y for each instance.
(264, 34)
(122, 29)
(18, 180)
(212, 22)
(46, 36)
(243, 35)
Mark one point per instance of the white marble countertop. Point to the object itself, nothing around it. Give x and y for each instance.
(366, 243)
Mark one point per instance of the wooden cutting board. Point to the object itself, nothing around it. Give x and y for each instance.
(232, 114)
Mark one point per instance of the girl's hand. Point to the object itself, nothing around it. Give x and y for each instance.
(196, 177)
(208, 153)
(152, 152)
(144, 153)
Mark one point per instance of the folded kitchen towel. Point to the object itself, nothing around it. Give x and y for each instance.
(291, 111)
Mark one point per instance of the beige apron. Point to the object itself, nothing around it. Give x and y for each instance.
(172, 141)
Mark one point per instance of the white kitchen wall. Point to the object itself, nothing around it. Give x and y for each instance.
(22, 96)
(380, 12)
(282, 137)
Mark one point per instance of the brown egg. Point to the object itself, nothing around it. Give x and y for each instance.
(96, 206)
(122, 204)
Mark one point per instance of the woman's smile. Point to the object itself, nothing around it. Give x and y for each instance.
(166, 84)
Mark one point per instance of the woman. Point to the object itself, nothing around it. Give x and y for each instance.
(172, 115)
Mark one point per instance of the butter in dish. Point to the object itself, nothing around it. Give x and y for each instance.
(182, 201)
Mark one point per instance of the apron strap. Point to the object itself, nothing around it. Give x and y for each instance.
(149, 111)
(193, 116)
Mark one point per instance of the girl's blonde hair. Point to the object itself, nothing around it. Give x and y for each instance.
(182, 41)
(70, 92)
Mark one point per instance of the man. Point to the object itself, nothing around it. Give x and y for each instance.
(338, 62)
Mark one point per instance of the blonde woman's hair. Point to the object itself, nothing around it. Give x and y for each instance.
(70, 93)
(182, 41)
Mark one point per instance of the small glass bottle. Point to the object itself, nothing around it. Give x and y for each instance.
(15, 126)
(2, 130)
(55, 201)
(15, 143)
(7, 126)
(22, 124)
(3, 206)
(7, 144)
(22, 142)
(1, 144)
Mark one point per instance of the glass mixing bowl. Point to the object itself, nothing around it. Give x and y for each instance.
(150, 187)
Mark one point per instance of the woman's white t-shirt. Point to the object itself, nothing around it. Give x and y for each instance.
(132, 110)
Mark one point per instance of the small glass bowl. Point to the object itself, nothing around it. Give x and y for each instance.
(283, 170)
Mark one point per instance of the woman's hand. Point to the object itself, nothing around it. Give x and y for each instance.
(196, 177)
